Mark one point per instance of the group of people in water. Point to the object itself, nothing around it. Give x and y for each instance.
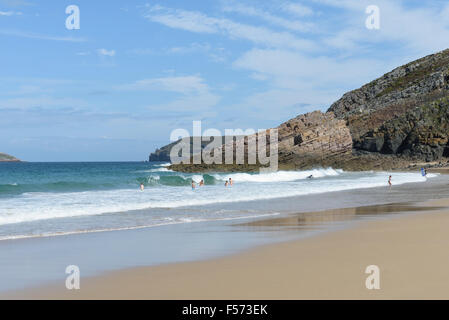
(200, 184)
(228, 182)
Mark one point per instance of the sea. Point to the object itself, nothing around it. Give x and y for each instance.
(54, 199)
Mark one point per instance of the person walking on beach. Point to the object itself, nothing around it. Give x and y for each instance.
(389, 181)
(423, 172)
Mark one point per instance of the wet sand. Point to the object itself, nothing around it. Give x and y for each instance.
(410, 250)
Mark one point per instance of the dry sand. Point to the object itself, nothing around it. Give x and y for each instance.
(411, 250)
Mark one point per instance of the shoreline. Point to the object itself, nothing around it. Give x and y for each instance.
(100, 253)
(263, 204)
(327, 265)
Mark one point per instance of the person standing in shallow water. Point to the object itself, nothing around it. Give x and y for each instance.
(230, 182)
(193, 185)
(226, 183)
(389, 181)
(142, 187)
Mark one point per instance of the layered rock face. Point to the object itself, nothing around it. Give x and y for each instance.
(405, 112)
(310, 139)
(316, 134)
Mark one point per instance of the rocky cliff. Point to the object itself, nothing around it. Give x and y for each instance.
(396, 121)
(163, 154)
(7, 158)
(313, 135)
(405, 112)
(310, 139)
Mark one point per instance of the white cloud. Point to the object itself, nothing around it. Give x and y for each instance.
(182, 19)
(141, 51)
(15, 3)
(197, 22)
(10, 13)
(190, 103)
(193, 47)
(38, 88)
(420, 31)
(194, 93)
(297, 9)
(216, 54)
(22, 34)
(179, 84)
(342, 47)
(28, 89)
(104, 52)
(424, 30)
(289, 67)
(290, 24)
(41, 102)
(295, 79)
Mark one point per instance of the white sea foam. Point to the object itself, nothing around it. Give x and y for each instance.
(279, 176)
(247, 187)
(197, 178)
(164, 164)
(163, 169)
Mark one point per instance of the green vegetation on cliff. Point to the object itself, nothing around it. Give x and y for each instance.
(404, 113)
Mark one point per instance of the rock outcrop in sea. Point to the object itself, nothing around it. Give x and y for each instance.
(7, 158)
(396, 121)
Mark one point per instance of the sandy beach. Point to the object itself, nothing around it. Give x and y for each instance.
(224, 151)
(410, 250)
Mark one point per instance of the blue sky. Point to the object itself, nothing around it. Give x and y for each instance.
(136, 70)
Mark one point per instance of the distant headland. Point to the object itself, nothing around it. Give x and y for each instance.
(7, 158)
(400, 120)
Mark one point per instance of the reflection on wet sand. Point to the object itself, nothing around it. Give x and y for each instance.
(316, 220)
